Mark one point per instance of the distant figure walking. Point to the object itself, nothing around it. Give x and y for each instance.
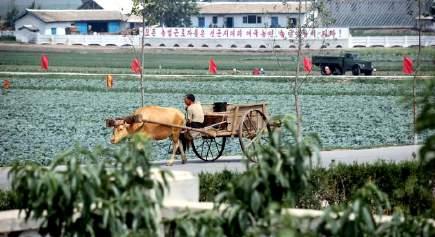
(327, 71)
(109, 81)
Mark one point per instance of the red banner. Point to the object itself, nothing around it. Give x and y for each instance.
(44, 62)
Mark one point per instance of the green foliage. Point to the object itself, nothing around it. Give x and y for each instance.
(112, 195)
(8, 200)
(358, 218)
(271, 184)
(253, 204)
(426, 123)
(198, 224)
(5, 39)
(212, 184)
(167, 13)
(11, 16)
(406, 226)
(387, 61)
(337, 184)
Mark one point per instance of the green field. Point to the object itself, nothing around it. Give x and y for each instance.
(42, 115)
(387, 61)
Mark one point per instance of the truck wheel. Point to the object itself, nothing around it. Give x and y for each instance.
(356, 70)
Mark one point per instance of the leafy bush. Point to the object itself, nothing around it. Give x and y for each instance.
(426, 123)
(254, 202)
(112, 195)
(363, 217)
(8, 200)
(337, 185)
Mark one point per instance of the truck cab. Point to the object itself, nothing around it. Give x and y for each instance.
(339, 65)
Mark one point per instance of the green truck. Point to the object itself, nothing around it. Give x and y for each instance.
(339, 65)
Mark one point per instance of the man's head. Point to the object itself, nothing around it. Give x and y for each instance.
(189, 99)
(327, 70)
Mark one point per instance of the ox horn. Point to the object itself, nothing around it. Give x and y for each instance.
(114, 122)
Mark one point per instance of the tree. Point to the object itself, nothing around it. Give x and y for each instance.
(170, 13)
(34, 5)
(166, 12)
(318, 15)
(11, 16)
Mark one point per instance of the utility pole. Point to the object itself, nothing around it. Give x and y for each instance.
(142, 53)
(296, 83)
(414, 87)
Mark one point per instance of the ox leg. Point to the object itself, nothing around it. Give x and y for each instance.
(183, 155)
(174, 150)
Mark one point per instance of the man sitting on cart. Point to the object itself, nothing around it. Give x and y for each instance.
(194, 112)
(194, 119)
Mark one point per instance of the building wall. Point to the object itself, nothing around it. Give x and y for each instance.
(30, 20)
(44, 28)
(266, 20)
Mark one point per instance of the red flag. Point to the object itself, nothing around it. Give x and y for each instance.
(408, 66)
(136, 66)
(6, 84)
(308, 66)
(212, 67)
(44, 62)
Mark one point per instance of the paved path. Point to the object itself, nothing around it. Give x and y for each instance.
(235, 163)
(346, 77)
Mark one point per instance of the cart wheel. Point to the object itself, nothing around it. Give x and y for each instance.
(254, 129)
(208, 148)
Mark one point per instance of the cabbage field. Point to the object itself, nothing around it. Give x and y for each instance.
(42, 116)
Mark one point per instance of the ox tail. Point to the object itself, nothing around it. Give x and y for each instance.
(186, 140)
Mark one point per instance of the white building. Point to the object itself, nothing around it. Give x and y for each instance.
(65, 22)
(249, 14)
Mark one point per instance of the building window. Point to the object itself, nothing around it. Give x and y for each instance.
(292, 22)
(201, 22)
(53, 31)
(215, 20)
(252, 19)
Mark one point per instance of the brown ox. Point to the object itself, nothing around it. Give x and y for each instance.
(155, 131)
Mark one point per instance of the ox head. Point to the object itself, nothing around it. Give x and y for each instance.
(119, 132)
(120, 127)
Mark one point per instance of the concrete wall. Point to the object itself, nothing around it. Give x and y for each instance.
(346, 41)
(118, 40)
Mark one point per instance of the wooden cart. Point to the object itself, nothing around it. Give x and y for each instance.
(247, 122)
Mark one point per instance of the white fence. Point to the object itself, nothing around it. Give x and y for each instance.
(7, 33)
(212, 40)
(391, 41)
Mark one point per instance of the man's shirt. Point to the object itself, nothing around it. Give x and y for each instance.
(195, 113)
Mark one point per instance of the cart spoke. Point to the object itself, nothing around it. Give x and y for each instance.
(216, 145)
